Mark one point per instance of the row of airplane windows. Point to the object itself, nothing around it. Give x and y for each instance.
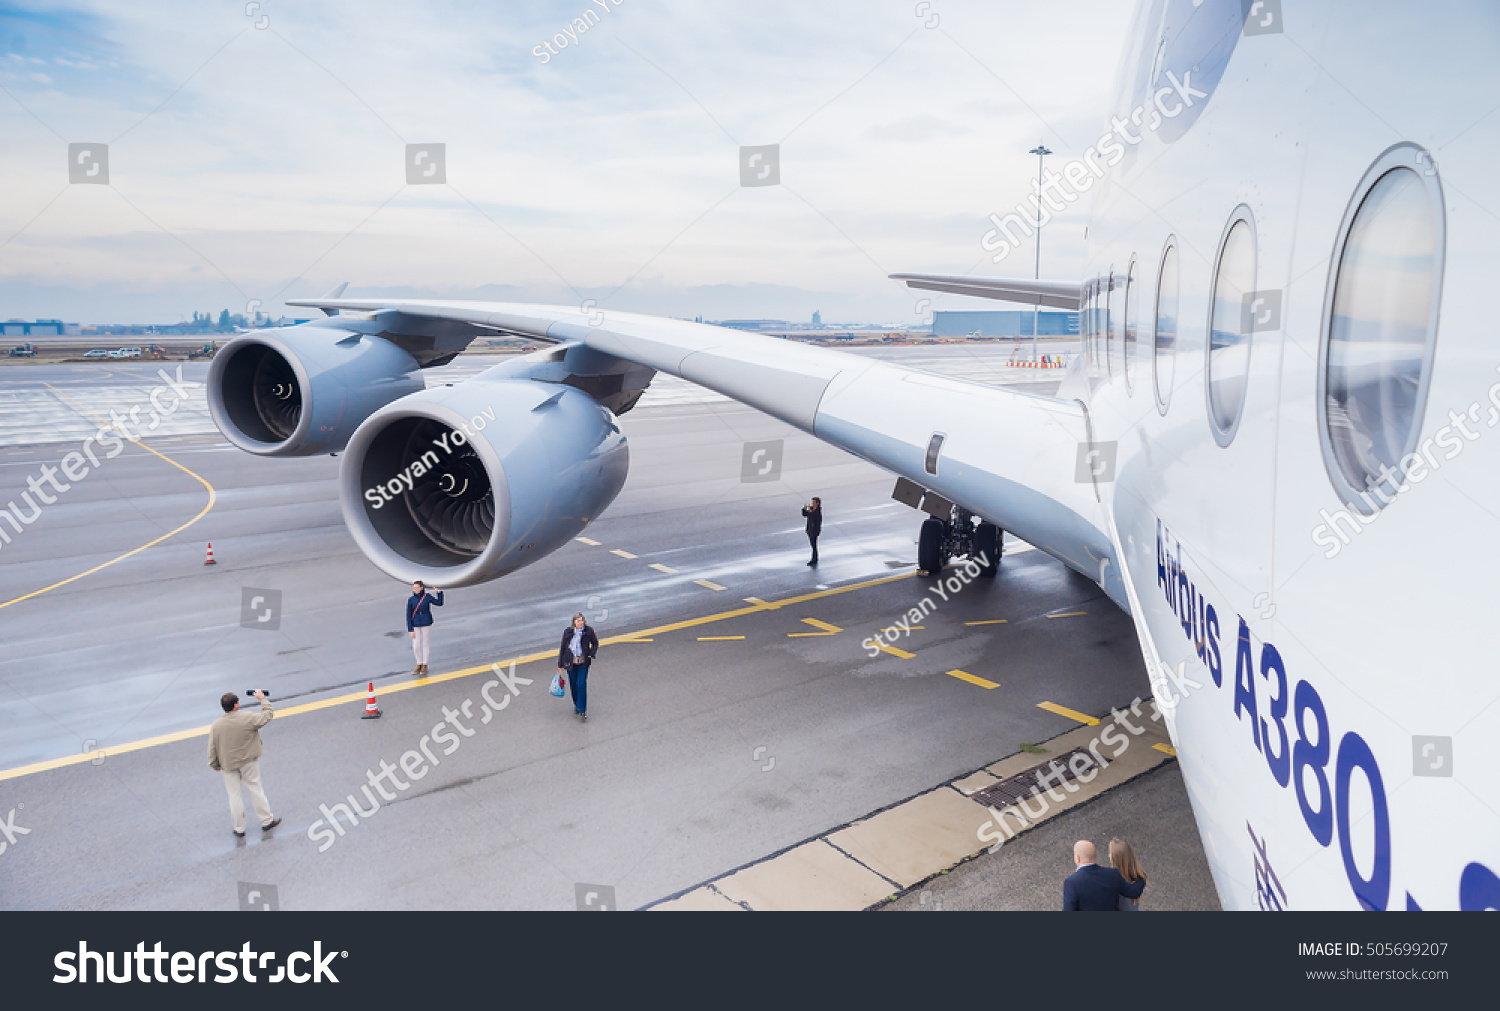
(1379, 323)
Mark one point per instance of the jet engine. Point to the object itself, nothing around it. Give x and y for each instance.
(303, 390)
(461, 484)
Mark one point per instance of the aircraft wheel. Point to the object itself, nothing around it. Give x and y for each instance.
(930, 547)
(987, 541)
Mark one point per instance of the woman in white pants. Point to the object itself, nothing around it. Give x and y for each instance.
(419, 621)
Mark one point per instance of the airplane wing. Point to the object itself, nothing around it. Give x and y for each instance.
(1006, 456)
(1057, 294)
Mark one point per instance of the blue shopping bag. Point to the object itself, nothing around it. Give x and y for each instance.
(558, 685)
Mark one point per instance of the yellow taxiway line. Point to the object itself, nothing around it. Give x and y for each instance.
(1072, 714)
(212, 496)
(644, 635)
(827, 629)
(973, 679)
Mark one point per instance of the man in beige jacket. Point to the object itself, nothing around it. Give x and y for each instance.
(234, 749)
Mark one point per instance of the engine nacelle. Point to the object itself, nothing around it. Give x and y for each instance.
(461, 484)
(304, 390)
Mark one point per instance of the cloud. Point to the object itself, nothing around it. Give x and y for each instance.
(268, 163)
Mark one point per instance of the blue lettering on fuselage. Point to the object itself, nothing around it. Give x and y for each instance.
(1292, 762)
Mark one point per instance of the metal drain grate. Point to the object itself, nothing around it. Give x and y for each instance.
(1023, 784)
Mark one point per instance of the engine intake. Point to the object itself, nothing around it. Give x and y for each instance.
(304, 390)
(459, 485)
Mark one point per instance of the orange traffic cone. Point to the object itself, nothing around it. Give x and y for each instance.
(372, 711)
(210, 556)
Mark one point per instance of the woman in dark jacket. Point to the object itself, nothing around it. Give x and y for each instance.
(419, 620)
(579, 647)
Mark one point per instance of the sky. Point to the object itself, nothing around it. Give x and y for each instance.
(258, 153)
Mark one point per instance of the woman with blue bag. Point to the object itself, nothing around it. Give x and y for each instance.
(579, 647)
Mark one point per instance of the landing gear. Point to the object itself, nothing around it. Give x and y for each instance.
(950, 531)
(940, 541)
(987, 541)
(930, 554)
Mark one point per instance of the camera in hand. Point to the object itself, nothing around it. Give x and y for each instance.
(250, 692)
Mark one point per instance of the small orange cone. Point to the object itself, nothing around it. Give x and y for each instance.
(372, 711)
(210, 556)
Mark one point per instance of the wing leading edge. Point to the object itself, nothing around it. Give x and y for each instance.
(1056, 294)
(1007, 456)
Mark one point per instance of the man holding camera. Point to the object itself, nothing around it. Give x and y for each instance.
(234, 749)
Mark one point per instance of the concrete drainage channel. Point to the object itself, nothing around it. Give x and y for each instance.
(876, 859)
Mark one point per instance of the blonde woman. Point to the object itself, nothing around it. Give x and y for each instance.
(1122, 858)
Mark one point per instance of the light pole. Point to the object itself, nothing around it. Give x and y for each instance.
(1041, 153)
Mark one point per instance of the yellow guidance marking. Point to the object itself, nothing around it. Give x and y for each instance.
(663, 568)
(973, 679)
(212, 497)
(643, 635)
(1067, 614)
(588, 540)
(1166, 749)
(761, 603)
(718, 638)
(992, 621)
(709, 585)
(815, 623)
(1072, 714)
(893, 651)
(622, 554)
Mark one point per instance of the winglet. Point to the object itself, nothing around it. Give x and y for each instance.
(337, 292)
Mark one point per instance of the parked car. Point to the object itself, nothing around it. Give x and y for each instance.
(24, 351)
(98, 353)
(125, 353)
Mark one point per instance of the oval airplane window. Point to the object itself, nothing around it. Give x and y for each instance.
(1380, 323)
(1229, 335)
(1127, 327)
(1083, 321)
(1164, 329)
(1088, 321)
(1107, 322)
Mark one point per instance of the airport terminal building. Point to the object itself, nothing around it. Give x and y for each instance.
(1004, 323)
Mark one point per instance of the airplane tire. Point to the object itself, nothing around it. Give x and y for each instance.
(930, 547)
(987, 541)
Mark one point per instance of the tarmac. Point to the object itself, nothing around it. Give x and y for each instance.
(734, 712)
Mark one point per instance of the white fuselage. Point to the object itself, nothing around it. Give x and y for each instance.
(1300, 748)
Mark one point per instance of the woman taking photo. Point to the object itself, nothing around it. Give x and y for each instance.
(579, 647)
(419, 621)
